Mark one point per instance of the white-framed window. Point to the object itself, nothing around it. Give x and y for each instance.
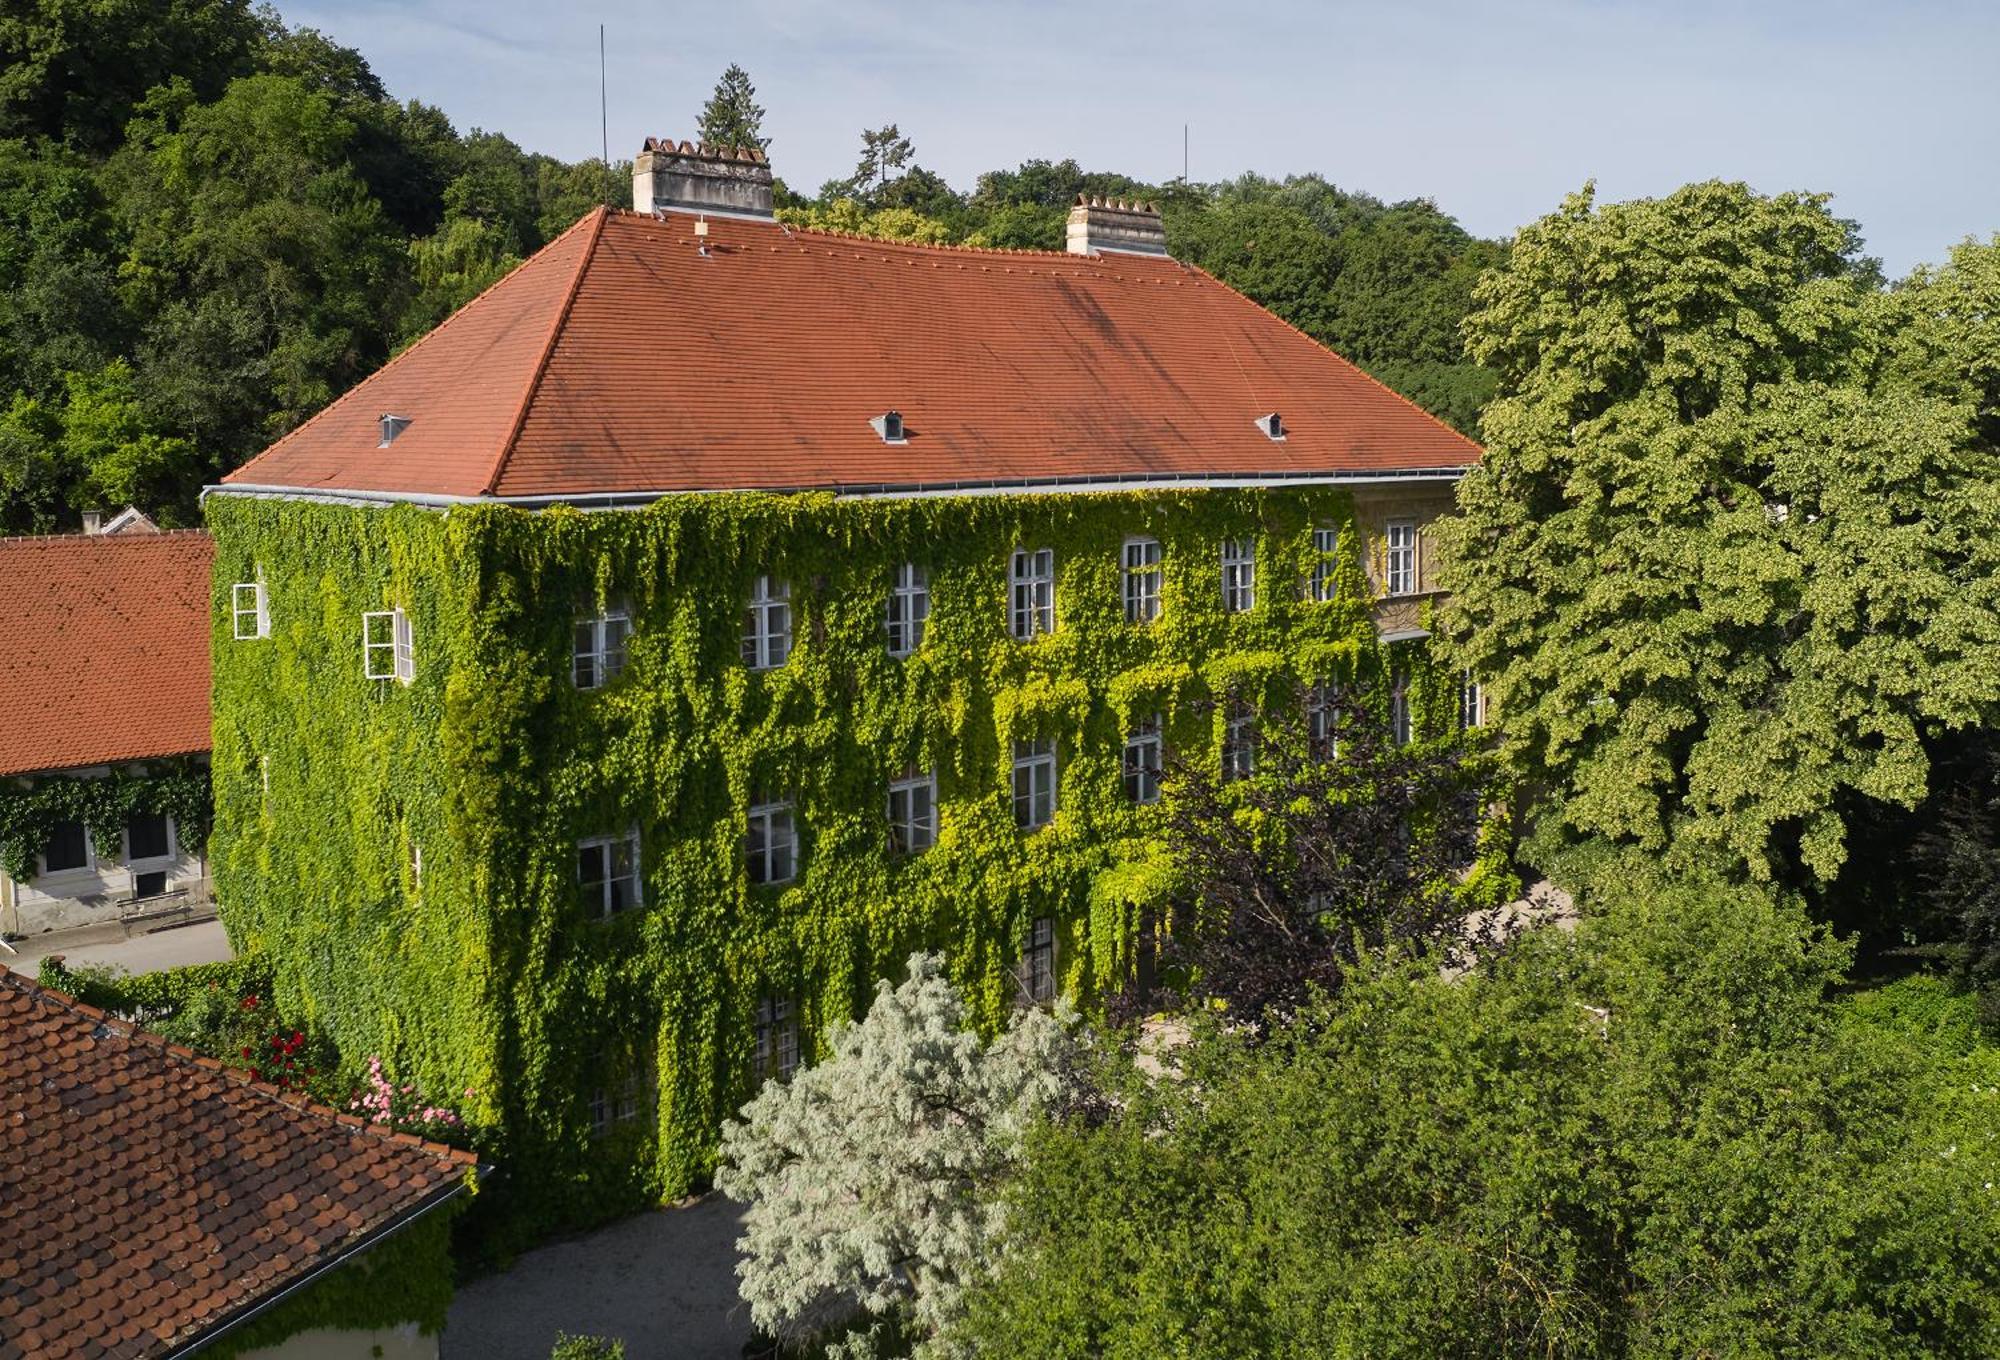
(1143, 752)
(1471, 704)
(1142, 579)
(249, 616)
(913, 812)
(607, 874)
(1400, 573)
(909, 607)
(1034, 782)
(1399, 707)
(1239, 574)
(149, 839)
(388, 650)
(1034, 592)
(1323, 720)
(771, 844)
(777, 1055)
(1326, 564)
(1239, 740)
(416, 867)
(1038, 963)
(67, 849)
(625, 1103)
(597, 648)
(767, 624)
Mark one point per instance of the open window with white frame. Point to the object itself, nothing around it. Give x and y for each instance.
(250, 615)
(607, 874)
(1239, 575)
(913, 819)
(909, 608)
(1143, 757)
(1325, 583)
(1032, 574)
(1034, 782)
(1400, 558)
(776, 1055)
(771, 843)
(597, 647)
(1141, 560)
(388, 648)
(767, 624)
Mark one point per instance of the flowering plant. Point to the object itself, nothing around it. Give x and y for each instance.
(403, 1108)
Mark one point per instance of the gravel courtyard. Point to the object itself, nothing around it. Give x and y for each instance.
(663, 1281)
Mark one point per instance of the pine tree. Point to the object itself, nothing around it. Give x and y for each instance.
(733, 117)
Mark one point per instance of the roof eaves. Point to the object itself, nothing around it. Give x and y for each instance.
(595, 234)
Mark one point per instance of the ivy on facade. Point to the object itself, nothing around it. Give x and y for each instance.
(407, 853)
(32, 808)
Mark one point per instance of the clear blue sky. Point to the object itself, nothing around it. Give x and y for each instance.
(1493, 109)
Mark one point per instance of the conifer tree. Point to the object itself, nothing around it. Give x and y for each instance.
(732, 116)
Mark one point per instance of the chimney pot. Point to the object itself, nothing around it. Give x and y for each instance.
(1097, 225)
(93, 521)
(731, 180)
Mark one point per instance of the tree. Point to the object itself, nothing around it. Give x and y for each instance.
(92, 446)
(884, 154)
(871, 1177)
(1295, 874)
(1721, 569)
(569, 1347)
(732, 116)
(1654, 1137)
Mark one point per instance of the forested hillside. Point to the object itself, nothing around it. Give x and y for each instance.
(212, 223)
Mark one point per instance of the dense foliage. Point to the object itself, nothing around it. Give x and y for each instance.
(1346, 843)
(482, 970)
(873, 1177)
(211, 224)
(1654, 1137)
(32, 807)
(1734, 550)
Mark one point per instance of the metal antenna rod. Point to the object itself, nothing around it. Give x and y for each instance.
(604, 115)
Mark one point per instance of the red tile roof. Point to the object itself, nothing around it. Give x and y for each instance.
(107, 652)
(622, 359)
(147, 1195)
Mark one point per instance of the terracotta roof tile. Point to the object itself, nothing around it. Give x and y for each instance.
(109, 658)
(622, 359)
(113, 1210)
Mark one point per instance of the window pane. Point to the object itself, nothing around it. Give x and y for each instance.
(68, 847)
(146, 836)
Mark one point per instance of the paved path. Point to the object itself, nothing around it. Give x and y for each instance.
(162, 946)
(664, 1281)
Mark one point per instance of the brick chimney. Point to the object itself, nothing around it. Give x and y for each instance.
(734, 180)
(1100, 224)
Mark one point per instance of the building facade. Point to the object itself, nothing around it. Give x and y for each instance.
(713, 613)
(104, 803)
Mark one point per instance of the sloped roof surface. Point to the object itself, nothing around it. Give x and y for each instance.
(146, 1194)
(107, 657)
(622, 359)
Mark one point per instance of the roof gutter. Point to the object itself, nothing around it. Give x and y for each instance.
(251, 1311)
(1084, 485)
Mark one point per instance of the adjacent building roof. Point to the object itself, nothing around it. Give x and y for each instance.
(148, 1197)
(107, 652)
(632, 356)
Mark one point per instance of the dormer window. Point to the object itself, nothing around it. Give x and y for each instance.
(890, 426)
(1272, 426)
(391, 427)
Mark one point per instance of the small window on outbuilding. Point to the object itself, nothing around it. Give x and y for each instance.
(890, 426)
(1271, 426)
(392, 425)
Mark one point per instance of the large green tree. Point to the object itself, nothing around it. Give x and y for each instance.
(1654, 1137)
(732, 116)
(1724, 564)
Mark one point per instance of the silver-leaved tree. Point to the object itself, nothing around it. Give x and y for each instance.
(872, 1178)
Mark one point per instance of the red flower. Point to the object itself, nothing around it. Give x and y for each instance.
(312, 1071)
(254, 1075)
(247, 1050)
(250, 1002)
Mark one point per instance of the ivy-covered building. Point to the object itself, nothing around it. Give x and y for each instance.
(104, 723)
(712, 612)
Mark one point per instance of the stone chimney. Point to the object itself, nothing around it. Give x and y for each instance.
(1099, 224)
(735, 180)
(93, 521)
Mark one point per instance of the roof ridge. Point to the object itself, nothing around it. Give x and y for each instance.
(596, 219)
(417, 344)
(959, 247)
(1439, 421)
(298, 1100)
(151, 537)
